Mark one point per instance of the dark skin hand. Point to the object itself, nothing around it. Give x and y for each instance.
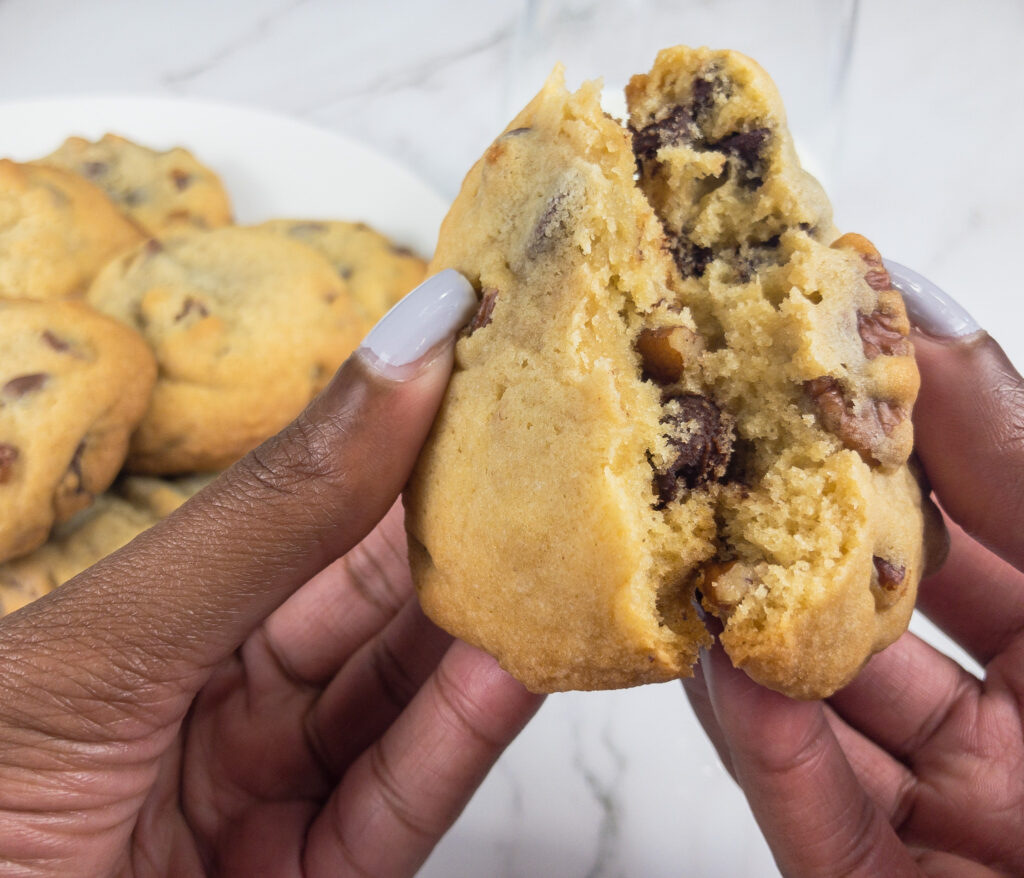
(917, 767)
(250, 688)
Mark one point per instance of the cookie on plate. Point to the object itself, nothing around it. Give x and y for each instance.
(161, 191)
(247, 326)
(73, 386)
(56, 232)
(377, 271)
(707, 403)
(115, 519)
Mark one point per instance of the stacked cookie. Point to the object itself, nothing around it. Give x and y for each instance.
(142, 332)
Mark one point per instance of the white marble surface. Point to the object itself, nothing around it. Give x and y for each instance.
(917, 137)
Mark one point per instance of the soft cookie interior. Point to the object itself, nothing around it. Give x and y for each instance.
(676, 392)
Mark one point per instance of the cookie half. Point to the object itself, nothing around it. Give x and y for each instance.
(247, 327)
(56, 232)
(160, 190)
(73, 386)
(672, 395)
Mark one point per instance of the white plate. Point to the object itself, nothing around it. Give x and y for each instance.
(272, 166)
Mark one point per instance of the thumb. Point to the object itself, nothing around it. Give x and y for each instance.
(185, 594)
(969, 418)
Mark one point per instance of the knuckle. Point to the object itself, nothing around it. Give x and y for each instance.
(305, 451)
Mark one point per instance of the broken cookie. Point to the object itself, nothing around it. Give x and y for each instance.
(679, 397)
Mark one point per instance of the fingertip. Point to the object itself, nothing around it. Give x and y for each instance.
(420, 327)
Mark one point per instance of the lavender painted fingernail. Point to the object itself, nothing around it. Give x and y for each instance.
(931, 309)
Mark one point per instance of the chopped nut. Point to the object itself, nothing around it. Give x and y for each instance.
(665, 351)
(724, 584)
(882, 334)
(876, 276)
(862, 431)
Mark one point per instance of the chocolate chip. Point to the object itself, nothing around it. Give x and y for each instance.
(23, 384)
(58, 344)
(702, 96)
(691, 259)
(95, 170)
(881, 336)
(701, 436)
(890, 576)
(863, 431)
(191, 305)
(133, 197)
(515, 132)
(181, 179)
(677, 127)
(483, 313)
(746, 148)
(553, 224)
(399, 250)
(152, 248)
(8, 454)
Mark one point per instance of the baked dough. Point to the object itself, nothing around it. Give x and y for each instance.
(678, 391)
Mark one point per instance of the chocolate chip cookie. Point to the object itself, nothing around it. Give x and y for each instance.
(161, 191)
(56, 232)
(115, 519)
(679, 396)
(377, 271)
(73, 386)
(247, 326)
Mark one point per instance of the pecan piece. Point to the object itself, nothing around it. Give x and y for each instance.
(882, 333)
(701, 438)
(664, 352)
(876, 275)
(8, 454)
(863, 431)
(724, 584)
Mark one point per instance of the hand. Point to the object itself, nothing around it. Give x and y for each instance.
(916, 767)
(250, 688)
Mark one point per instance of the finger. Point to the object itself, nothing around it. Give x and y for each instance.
(889, 783)
(939, 864)
(976, 598)
(320, 626)
(375, 686)
(404, 792)
(696, 690)
(814, 814)
(969, 418)
(904, 695)
(183, 595)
